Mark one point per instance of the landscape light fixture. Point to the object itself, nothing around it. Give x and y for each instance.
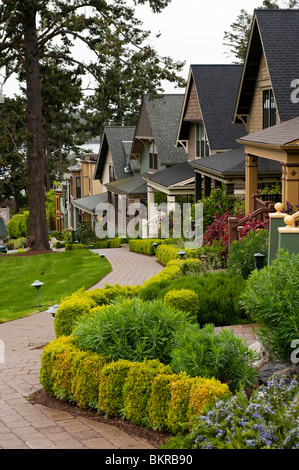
(259, 260)
(53, 310)
(37, 285)
(102, 256)
(181, 253)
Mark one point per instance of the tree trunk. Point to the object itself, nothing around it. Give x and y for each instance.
(38, 233)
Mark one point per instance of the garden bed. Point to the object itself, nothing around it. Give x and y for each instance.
(155, 438)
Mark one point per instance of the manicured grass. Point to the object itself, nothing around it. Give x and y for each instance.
(65, 272)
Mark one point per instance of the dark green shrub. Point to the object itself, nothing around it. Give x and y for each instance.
(131, 329)
(241, 253)
(218, 295)
(206, 353)
(271, 299)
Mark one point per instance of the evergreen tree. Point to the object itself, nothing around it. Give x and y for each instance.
(107, 27)
(236, 39)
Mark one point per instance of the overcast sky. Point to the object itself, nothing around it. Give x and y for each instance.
(191, 31)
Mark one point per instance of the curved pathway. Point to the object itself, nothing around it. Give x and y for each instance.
(24, 425)
(32, 426)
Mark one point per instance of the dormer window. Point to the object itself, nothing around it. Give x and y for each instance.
(112, 176)
(153, 157)
(202, 146)
(269, 109)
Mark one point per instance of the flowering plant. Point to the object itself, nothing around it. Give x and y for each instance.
(267, 420)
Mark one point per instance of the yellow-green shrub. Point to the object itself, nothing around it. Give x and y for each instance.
(64, 368)
(166, 253)
(137, 389)
(112, 292)
(99, 296)
(86, 379)
(48, 358)
(189, 397)
(145, 246)
(203, 393)
(170, 272)
(112, 379)
(179, 404)
(160, 399)
(183, 299)
(69, 310)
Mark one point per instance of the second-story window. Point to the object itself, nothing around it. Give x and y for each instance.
(153, 157)
(202, 145)
(269, 109)
(112, 176)
(78, 186)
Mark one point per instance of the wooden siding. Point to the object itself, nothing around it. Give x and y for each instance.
(193, 111)
(143, 128)
(255, 118)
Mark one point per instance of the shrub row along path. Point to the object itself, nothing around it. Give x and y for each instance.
(26, 425)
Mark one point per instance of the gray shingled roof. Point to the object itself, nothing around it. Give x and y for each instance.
(164, 115)
(172, 175)
(117, 139)
(281, 134)
(134, 185)
(276, 32)
(89, 203)
(233, 163)
(217, 87)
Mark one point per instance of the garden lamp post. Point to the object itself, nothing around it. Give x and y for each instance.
(37, 285)
(53, 310)
(181, 253)
(155, 247)
(259, 260)
(102, 256)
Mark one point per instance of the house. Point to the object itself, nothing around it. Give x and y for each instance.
(267, 97)
(73, 206)
(206, 131)
(153, 149)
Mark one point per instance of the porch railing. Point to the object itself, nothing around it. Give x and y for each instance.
(261, 211)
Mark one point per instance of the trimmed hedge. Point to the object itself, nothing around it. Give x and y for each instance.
(87, 303)
(143, 392)
(145, 246)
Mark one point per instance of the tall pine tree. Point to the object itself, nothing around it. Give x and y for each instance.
(106, 27)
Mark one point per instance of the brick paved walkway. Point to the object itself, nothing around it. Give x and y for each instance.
(24, 425)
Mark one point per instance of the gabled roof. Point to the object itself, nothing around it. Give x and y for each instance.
(134, 185)
(162, 115)
(276, 34)
(173, 176)
(216, 88)
(286, 133)
(90, 203)
(232, 163)
(119, 140)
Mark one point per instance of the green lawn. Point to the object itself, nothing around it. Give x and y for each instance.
(65, 272)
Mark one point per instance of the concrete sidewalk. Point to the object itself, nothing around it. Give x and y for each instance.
(30, 426)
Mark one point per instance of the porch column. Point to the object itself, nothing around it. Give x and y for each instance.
(170, 202)
(150, 202)
(198, 186)
(207, 186)
(251, 178)
(229, 188)
(290, 183)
